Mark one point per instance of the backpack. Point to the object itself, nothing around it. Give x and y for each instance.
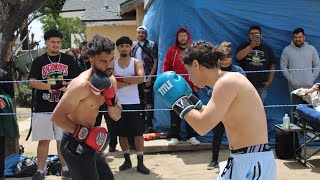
(27, 167)
(53, 165)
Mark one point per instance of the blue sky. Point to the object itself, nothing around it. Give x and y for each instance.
(37, 31)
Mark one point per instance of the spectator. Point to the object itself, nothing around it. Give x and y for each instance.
(256, 56)
(131, 123)
(225, 65)
(52, 68)
(173, 62)
(8, 123)
(72, 53)
(146, 51)
(310, 113)
(84, 57)
(299, 55)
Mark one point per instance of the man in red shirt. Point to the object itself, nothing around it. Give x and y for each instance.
(173, 62)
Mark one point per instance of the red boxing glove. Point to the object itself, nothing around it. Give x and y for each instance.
(110, 96)
(95, 137)
(119, 78)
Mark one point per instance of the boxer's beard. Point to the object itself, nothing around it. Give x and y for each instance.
(124, 54)
(107, 72)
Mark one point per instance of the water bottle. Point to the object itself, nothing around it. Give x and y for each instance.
(286, 122)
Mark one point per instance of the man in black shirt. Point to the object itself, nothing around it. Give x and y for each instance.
(52, 68)
(84, 57)
(255, 56)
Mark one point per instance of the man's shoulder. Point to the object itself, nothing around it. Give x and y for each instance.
(41, 57)
(135, 43)
(171, 48)
(78, 83)
(242, 46)
(67, 58)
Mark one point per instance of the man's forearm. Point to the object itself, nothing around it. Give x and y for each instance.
(154, 68)
(243, 53)
(115, 111)
(64, 122)
(272, 73)
(39, 85)
(122, 84)
(133, 80)
(201, 126)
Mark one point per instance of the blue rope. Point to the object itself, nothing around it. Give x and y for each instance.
(144, 110)
(260, 71)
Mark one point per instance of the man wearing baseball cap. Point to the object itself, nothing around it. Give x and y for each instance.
(146, 51)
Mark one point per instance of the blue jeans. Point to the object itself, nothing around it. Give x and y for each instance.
(310, 115)
(263, 93)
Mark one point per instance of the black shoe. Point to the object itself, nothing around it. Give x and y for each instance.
(112, 149)
(38, 176)
(141, 168)
(127, 163)
(65, 175)
(213, 164)
(150, 130)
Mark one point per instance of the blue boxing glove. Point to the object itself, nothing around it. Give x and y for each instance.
(194, 99)
(172, 89)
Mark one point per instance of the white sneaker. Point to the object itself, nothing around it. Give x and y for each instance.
(173, 141)
(193, 141)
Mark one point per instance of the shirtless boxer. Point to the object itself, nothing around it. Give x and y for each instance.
(234, 101)
(82, 144)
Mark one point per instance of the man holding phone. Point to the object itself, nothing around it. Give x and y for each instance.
(255, 56)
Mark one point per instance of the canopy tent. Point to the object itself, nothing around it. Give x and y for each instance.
(227, 20)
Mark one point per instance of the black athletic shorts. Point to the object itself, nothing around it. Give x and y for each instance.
(131, 123)
(84, 162)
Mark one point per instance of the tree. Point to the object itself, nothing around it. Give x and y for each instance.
(67, 26)
(52, 20)
(13, 14)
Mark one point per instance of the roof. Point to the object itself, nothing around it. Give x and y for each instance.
(74, 5)
(97, 10)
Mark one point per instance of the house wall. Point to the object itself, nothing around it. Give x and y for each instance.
(112, 32)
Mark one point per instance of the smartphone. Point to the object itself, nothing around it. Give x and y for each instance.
(256, 36)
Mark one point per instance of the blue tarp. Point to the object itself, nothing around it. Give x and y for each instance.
(229, 20)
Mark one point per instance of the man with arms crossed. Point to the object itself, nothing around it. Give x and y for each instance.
(76, 113)
(250, 155)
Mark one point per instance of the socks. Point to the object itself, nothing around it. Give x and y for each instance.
(65, 168)
(40, 170)
(139, 153)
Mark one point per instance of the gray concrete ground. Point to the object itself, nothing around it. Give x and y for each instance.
(179, 165)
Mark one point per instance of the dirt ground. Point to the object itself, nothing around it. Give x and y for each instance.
(178, 165)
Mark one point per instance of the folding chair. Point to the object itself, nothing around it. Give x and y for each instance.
(306, 128)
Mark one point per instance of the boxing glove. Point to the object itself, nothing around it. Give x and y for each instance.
(95, 137)
(110, 96)
(172, 90)
(99, 82)
(194, 99)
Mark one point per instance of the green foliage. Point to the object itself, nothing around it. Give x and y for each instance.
(52, 7)
(52, 20)
(67, 26)
(24, 98)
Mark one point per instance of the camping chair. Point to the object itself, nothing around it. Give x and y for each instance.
(306, 129)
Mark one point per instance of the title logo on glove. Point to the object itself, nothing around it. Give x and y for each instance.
(100, 139)
(165, 87)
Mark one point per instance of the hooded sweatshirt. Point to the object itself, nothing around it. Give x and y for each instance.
(173, 59)
(294, 57)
